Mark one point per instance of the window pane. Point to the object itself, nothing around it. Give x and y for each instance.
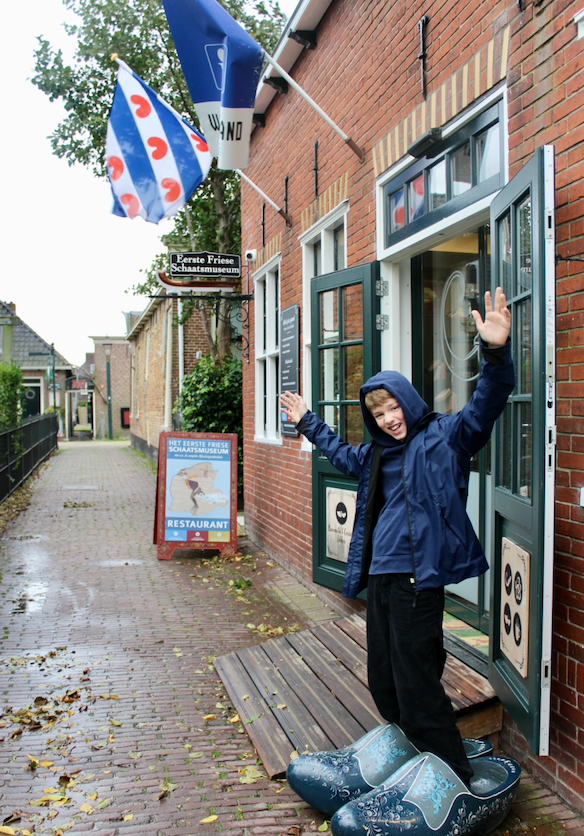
(461, 170)
(352, 296)
(352, 430)
(317, 264)
(329, 317)
(525, 343)
(339, 253)
(330, 415)
(437, 185)
(506, 449)
(352, 371)
(488, 161)
(505, 253)
(329, 374)
(525, 437)
(276, 403)
(417, 198)
(276, 289)
(398, 217)
(524, 219)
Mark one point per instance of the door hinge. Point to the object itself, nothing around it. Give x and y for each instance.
(381, 288)
(382, 322)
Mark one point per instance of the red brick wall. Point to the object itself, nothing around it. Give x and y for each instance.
(119, 382)
(546, 106)
(365, 74)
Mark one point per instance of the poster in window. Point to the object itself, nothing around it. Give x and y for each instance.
(289, 365)
(514, 642)
(340, 518)
(196, 504)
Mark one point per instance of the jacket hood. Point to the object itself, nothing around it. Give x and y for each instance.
(413, 407)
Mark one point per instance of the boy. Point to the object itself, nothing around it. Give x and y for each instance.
(412, 535)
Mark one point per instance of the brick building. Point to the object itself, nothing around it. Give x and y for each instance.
(161, 354)
(471, 120)
(116, 351)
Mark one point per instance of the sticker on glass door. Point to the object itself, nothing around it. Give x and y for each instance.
(340, 518)
(515, 604)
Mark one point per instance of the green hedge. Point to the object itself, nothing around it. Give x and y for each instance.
(11, 396)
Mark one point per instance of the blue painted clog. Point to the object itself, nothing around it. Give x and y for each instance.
(425, 797)
(328, 780)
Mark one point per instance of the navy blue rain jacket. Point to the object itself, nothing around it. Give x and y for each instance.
(435, 472)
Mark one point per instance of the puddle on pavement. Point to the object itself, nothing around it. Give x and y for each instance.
(31, 599)
(111, 564)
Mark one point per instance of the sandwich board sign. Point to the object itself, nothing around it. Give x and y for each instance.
(196, 493)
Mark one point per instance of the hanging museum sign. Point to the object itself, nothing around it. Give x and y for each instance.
(205, 265)
(196, 493)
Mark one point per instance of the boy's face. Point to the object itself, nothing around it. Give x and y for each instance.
(390, 419)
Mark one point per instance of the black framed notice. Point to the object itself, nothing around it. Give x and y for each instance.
(289, 360)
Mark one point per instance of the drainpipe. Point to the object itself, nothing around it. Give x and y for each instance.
(168, 380)
(181, 344)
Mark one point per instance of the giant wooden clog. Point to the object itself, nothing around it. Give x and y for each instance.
(425, 797)
(327, 780)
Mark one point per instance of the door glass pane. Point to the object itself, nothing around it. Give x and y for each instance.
(524, 222)
(506, 448)
(317, 262)
(417, 198)
(329, 317)
(352, 296)
(352, 371)
(461, 173)
(329, 374)
(330, 415)
(525, 442)
(451, 352)
(524, 342)
(488, 145)
(505, 251)
(352, 424)
(437, 185)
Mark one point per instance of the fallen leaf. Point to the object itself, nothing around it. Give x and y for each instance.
(129, 817)
(234, 719)
(47, 764)
(86, 808)
(323, 827)
(7, 830)
(209, 820)
(196, 754)
(135, 755)
(115, 722)
(209, 717)
(104, 803)
(282, 706)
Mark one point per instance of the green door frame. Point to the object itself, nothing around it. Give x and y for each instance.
(327, 571)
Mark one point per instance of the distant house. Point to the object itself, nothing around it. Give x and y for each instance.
(114, 351)
(20, 344)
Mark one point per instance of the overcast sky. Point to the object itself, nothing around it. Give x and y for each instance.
(66, 260)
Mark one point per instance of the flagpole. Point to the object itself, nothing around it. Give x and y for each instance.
(281, 212)
(352, 145)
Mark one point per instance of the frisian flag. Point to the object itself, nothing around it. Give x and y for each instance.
(155, 159)
(221, 65)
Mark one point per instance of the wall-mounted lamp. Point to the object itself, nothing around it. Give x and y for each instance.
(427, 145)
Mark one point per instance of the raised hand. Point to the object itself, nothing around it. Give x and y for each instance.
(495, 327)
(294, 405)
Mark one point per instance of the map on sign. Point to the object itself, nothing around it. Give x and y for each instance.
(193, 490)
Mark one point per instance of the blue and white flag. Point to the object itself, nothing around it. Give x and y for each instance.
(155, 159)
(221, 64)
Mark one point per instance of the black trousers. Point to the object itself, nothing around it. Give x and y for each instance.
(405, 662)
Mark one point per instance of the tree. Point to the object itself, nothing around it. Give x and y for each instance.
(138, 32)
(11, 395)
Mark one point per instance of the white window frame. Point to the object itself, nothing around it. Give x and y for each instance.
(321, 232)
(267, 356)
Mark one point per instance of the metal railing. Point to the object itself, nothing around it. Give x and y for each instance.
(23, 448)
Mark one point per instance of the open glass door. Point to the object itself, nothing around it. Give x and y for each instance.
(523, 263)
(345, 353)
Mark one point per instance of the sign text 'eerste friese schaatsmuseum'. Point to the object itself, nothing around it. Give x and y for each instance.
(205, 265)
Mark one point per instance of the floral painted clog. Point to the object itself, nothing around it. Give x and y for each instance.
(425, 797)
(327, 780)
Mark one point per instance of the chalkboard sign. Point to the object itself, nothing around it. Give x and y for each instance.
(289, 365)
(196, 493)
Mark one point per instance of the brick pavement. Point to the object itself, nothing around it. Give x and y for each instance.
(113, 720)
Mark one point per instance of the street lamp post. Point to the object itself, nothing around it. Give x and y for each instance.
(107, 346)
